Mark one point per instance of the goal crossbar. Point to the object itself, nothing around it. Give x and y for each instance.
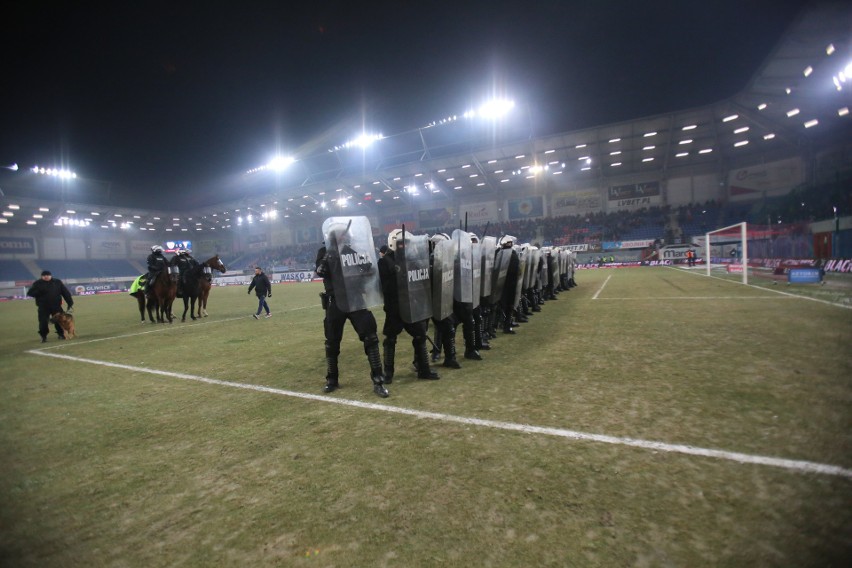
(742, 238)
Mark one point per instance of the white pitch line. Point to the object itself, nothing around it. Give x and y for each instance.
(794, 465)
(595, 297)
(665, 298)
(798, 296)
(168, 327)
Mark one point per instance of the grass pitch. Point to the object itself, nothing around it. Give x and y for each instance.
(115, 451)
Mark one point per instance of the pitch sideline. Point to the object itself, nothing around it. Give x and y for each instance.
(793, 465)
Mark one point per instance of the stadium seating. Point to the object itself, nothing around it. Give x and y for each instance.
(14, 270)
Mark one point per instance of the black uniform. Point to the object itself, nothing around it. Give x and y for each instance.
(363, 321)
(48, 295)
(185, 264)
(394, 323)
(156, 264)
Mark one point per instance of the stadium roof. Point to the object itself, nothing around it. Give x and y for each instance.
(797, 102)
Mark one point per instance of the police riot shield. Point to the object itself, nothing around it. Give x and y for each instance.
(498, 276)
(553, 267)
(412, 278)
(352, 263)
(535, 277)
(522, 271)
(443, 256)
(476, 270)
(544, 272)
(564, 261)
(572, 263)
(462, 267)
(488, 249)
(528, 274)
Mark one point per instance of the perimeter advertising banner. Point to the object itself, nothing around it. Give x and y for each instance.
(108, 248)
(573, 202)
(479, 213)
(527, 208)
(637, 244)
(17, 245)
(141, 248)
(634, 196)
(774, 178)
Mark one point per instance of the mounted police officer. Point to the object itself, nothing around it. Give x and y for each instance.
(404, 272)
(156, 264)
(347, 264)
(185, 263)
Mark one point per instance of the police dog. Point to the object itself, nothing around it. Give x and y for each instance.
(66, 322)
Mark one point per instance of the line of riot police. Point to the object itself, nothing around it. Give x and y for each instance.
(451, 280)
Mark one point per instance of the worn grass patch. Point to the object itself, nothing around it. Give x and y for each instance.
(110, 466)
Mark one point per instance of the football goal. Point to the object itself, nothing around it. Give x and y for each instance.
(728, 247)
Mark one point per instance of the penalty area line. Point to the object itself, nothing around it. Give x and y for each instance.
(761, 288)
(595, 297)
(789, 464)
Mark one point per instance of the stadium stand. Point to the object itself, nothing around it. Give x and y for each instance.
(15, 270)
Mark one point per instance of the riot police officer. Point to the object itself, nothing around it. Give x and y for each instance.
(441, 277)
(405, 286)
(511, 289)
(346, 263)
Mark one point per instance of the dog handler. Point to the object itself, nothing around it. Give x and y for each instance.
(49, 293)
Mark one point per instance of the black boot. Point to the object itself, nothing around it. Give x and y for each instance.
(470, 351)
(389, 355)
(421, 357)
(449, 342)
(331, 374)
(436, 345)
(479, 340)
(371, 348)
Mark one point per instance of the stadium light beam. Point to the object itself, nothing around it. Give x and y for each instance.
(280, 163)
(13, 167)
(495, 108)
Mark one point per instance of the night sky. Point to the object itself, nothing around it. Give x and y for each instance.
(164, 98)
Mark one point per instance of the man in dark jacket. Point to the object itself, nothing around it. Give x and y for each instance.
(49, 293)
(156, 264)
(263, 289)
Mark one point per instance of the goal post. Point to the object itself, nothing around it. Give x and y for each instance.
(734, 234)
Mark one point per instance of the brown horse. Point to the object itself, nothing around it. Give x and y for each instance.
(205, 283)
(161, 294)
(196, 285)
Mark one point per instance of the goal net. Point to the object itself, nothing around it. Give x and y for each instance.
(727, 249)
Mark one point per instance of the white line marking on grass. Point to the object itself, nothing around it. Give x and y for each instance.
(595, 297)
(775, 291)
(794, 465)
(700, 298)
(165, 327)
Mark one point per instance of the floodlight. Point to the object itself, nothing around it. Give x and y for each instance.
(280, 163)
(495, 108)
(13, 167)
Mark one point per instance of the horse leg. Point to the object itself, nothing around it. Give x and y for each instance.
(185, 306)
(202, 304)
